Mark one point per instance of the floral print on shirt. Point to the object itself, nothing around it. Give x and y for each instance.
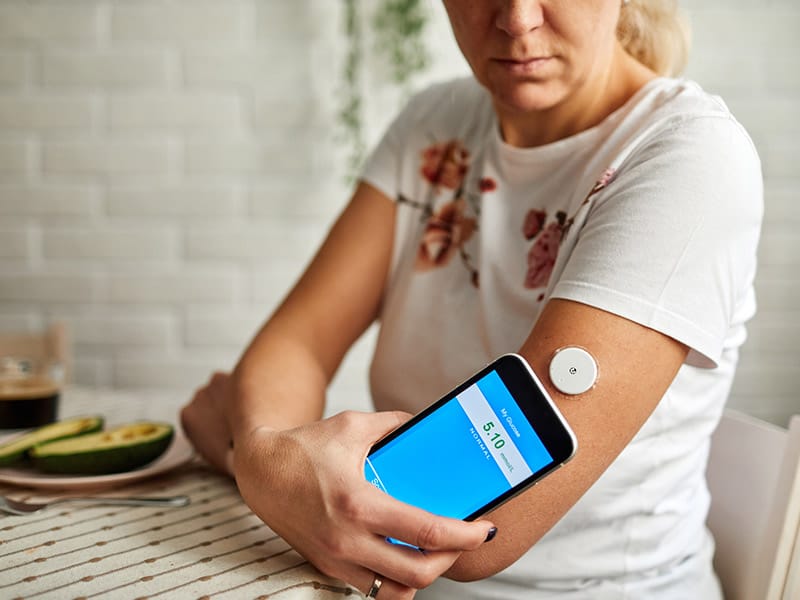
(446, 166)
(547, 238)
(447, 230)
(542, 255)
(449, 225)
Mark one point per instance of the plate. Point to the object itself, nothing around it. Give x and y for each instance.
(178, 453)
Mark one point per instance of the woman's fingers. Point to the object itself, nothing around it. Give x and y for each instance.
(405, 565)
(334, 516)
(401, 571)
(394, 519)
(380, 517)
(371, 426)
(389, 517)
(205, 425)
(387, 588)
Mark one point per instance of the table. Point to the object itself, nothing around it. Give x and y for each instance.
(213, 548)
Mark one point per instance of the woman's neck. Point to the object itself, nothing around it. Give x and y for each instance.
(588, 106)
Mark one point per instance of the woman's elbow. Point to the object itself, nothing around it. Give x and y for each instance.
(473, 566)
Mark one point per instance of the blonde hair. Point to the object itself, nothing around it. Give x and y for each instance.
(655, 33)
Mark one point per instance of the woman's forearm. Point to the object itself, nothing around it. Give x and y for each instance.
(279, 382)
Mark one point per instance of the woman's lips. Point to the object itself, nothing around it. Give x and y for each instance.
(526, 66)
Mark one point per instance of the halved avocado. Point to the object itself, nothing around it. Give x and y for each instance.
(119, 449)
(15, 449)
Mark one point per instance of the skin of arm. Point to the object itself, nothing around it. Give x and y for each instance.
(636, 366)
(282, 376)
(275, 398)
(280, 379)
(304, 476)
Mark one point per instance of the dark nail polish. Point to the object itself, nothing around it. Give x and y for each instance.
(491, 534)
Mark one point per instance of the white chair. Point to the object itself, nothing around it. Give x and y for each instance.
(754, 477)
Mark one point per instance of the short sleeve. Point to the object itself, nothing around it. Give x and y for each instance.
(383, 167)
(671, 242)
(451, 109)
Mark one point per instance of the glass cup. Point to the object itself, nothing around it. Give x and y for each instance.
(29, 391)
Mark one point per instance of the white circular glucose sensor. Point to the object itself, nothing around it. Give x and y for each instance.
(573, 370)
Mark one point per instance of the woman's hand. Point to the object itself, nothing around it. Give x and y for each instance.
(205, 423)
(308, 485)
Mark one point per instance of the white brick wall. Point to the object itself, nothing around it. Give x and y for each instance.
(55, 113)
(167, 168)
(182, 22)
(33, 23)
(68, 69)
(748, 53)
(108, 158)
(46, 200)
(14, 69)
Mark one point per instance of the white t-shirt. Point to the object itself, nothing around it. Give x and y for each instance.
(654, 215)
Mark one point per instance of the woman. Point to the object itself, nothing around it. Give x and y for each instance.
(567, 195)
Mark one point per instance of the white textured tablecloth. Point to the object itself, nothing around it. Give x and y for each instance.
(213, 548)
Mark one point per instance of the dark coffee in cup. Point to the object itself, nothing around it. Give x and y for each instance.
(27, 402)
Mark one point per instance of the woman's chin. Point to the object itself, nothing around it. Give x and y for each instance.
(519, 94)
(525, 98)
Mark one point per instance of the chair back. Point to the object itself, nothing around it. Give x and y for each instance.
(754, 478)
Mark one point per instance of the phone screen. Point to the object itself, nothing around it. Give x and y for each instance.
(462, 455)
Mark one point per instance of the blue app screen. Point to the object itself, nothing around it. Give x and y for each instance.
(472, 449)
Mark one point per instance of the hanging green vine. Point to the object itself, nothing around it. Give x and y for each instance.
(398, 27)
(351, 96)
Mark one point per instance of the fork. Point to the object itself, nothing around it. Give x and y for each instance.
(18, 507)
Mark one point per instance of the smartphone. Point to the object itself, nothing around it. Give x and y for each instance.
(486, 441)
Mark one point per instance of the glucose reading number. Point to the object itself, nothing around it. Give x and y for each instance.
(495, 438)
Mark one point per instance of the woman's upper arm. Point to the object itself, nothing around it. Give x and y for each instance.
(636, 366)
(661, 274)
